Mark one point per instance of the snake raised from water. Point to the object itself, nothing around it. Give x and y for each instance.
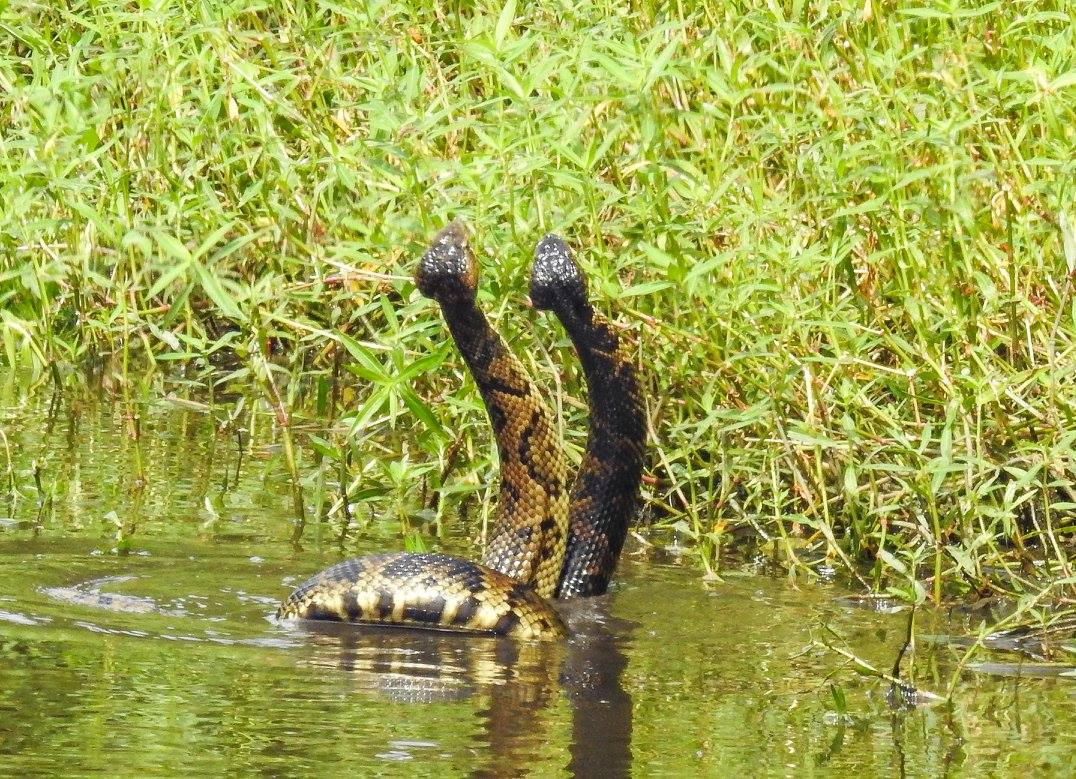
(548, 542)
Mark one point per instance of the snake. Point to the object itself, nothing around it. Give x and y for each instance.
(549, 542)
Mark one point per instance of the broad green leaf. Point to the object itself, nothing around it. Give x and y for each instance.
(214, 288)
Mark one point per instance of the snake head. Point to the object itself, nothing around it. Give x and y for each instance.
(448, 271)
(556, 281)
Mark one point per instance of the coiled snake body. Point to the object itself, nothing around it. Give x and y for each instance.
(547, 543)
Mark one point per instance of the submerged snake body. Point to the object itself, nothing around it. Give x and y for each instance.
(425, 590)
(526, 561)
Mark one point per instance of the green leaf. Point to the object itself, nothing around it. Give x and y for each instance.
(422, 411)
(1064, 81)
(367, 366)
(213, 287)
(1068, 239)
(425, 363)
(173, 247)
(325, 449)
(888, 558)
(166, 278)
(212, 238)
(504, 23)
(415, 542)
(814, 439)
(657, 68)
(646, 288)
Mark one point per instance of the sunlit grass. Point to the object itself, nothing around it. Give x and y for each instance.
(842, 230)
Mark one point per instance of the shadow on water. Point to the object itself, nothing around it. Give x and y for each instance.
(517, 683)
(552, 704)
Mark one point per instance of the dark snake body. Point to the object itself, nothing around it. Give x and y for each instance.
(606, 489)
(544, 544)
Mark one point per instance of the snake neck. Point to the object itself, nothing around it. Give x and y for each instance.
(529, 535)
(606, 490)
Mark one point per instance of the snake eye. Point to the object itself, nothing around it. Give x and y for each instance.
(448, 270)
(555, 276)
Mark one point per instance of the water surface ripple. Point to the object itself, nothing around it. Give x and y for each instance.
(136, 639)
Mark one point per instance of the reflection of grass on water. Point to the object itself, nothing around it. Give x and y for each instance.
(842, 239)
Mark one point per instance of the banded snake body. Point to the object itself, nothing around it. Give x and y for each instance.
(548, 541)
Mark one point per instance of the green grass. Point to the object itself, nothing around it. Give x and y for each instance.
(844, 232)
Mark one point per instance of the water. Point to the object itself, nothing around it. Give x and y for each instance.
(667, 675)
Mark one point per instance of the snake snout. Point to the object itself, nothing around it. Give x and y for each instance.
(555, 276)
(448, 270)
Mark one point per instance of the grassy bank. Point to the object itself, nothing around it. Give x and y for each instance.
(843, 231)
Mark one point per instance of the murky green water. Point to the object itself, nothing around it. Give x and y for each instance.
(665, 676)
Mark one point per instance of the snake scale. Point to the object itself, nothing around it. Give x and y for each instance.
(547, 542)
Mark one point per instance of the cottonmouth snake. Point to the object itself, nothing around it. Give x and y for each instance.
(546, 543)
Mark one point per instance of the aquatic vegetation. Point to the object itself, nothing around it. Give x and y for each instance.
(845, 230)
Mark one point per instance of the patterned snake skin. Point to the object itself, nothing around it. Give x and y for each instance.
(606, 490)
(544, 544)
